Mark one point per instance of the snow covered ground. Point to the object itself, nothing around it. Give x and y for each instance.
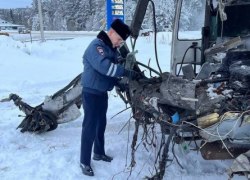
(35, 70)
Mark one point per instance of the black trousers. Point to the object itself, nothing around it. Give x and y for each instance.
(94, 125)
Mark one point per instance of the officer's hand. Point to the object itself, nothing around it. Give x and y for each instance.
(133, 75)
(121, 86)
(121, 60)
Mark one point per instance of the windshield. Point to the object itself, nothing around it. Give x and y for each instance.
(191, 19)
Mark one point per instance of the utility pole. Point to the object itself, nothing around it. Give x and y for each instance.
(40, 19)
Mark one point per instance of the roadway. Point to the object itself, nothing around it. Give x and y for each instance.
(50, 35)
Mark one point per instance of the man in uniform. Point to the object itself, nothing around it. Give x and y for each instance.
(101, 73)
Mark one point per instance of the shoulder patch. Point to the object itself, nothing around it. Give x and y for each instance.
(100, 50)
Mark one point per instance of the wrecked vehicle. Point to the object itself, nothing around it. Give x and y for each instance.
(204, 99)
(61, 107)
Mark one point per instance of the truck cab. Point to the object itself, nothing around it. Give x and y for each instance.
(214, 27)
(187, 38)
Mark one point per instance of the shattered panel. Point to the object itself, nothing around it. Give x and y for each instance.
(178, 92)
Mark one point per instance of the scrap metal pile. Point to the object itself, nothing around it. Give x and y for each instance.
(210, 107)
(213, 112)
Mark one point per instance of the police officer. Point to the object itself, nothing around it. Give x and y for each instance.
(101, 73)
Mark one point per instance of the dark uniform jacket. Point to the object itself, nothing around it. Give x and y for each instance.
(101, 68)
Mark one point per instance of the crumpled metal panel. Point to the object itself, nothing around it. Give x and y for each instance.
(178, 92)
(241, 165)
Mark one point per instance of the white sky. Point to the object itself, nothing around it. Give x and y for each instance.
(6, 4)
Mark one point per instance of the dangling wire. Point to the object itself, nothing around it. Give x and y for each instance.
(155, 37)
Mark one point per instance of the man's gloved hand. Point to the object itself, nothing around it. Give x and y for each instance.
(133, 75)
(121, 86)
(121, 60)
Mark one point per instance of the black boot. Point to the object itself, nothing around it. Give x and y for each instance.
(104, 157)
(87, 170)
